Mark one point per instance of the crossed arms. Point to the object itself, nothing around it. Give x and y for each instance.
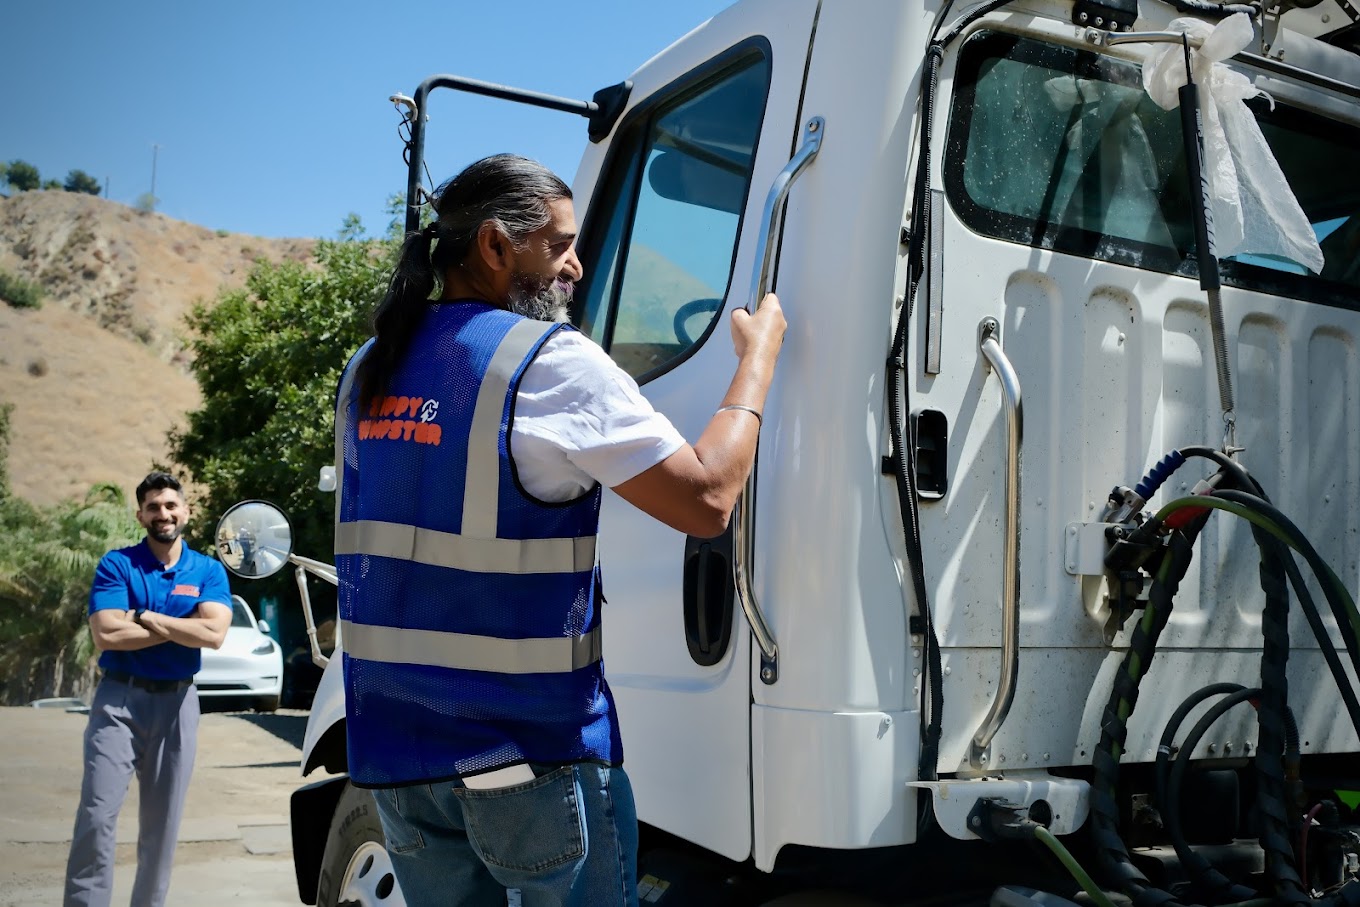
(205, 628)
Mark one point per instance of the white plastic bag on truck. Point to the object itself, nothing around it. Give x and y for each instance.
(1255, 211)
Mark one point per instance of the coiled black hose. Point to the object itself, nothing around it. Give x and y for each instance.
(1209, 882)
(1273, 801)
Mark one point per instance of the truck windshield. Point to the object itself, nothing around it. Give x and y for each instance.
(1061, 149)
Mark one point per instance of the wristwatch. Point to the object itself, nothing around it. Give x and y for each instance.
(137, 617)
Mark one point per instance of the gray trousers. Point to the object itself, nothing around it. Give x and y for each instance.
(154, 735)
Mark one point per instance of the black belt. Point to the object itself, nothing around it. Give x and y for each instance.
(146, 683)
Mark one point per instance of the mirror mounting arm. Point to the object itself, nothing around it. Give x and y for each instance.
(603, 111)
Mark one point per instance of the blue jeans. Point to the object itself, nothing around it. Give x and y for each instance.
(566, 839)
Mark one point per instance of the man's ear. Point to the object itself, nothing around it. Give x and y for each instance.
(494, 247)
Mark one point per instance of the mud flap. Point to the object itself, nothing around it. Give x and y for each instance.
(310, 811)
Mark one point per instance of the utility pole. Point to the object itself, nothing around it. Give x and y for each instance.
(155, 150)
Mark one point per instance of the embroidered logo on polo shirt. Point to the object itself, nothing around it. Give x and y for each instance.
(183, 589)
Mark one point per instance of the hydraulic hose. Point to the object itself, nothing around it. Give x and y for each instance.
(1338, 597)
(1266, 518)
(1209, 881)
(1163, 764)
(1263, 525)
(1273, 804)
(1071, 865)
(1273, 810)
(1159, 473)
(1241, 477)
(1111, 851)
(1244, 482)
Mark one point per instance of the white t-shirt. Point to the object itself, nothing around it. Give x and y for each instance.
(580, 419)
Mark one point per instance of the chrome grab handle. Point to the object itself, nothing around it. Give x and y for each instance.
(744, 563)
(326, 572)
(988, 344)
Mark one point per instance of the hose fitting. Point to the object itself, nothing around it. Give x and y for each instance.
(995, 820)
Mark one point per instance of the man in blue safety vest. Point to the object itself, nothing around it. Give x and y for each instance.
(474, 434)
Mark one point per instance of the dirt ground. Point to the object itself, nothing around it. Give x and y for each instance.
(234, 841)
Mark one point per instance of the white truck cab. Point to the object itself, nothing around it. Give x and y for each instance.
(984, 235)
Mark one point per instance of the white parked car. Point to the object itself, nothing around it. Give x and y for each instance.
(249, 666)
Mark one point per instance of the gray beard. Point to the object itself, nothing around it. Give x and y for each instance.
(530, 298)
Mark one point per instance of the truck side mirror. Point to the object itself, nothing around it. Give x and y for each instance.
(254, 539)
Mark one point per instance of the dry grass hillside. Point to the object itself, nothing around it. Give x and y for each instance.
(99, 374)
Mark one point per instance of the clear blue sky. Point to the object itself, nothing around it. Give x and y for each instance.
(273, 117)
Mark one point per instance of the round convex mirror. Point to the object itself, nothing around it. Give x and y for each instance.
(254, 539)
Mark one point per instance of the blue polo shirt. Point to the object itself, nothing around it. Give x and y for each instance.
(132, 578)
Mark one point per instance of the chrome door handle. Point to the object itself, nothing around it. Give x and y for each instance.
(990, 347)
(744, 563)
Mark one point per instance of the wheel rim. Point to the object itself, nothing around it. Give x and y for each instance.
(369, 880)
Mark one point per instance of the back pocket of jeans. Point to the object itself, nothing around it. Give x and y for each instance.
(528, 827)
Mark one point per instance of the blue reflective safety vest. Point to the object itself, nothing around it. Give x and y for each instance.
(469, 610)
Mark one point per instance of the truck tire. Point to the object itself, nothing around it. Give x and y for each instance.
(267, 704)
(356, 870)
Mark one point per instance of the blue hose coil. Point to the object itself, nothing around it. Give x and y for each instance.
(1159, 474)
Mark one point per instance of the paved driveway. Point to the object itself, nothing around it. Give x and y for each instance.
(234, 843)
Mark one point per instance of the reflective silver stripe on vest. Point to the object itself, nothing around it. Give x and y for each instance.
(481, 493)
(439, 649)
(445, 549)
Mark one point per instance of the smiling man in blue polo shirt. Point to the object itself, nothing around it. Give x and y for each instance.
(153, 607)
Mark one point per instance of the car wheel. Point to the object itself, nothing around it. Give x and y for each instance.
(267, 704)
(356, 870)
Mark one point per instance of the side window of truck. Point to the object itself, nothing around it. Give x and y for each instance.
(662, 232)
(1061, 149)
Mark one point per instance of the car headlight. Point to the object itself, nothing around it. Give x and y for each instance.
(263, 648)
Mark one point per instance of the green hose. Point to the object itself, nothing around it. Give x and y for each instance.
(1065, 857)
(1324, 571)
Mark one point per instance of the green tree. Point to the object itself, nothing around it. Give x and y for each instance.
(46, 565)
(268, 359)
(51, 184)
(80, 181)
(22, 176)
(146, 203)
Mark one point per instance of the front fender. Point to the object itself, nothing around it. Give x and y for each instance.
(324, 742)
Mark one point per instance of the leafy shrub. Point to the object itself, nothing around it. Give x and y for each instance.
(18, 292)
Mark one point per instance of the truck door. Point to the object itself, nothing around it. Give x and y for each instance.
(668, 245)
